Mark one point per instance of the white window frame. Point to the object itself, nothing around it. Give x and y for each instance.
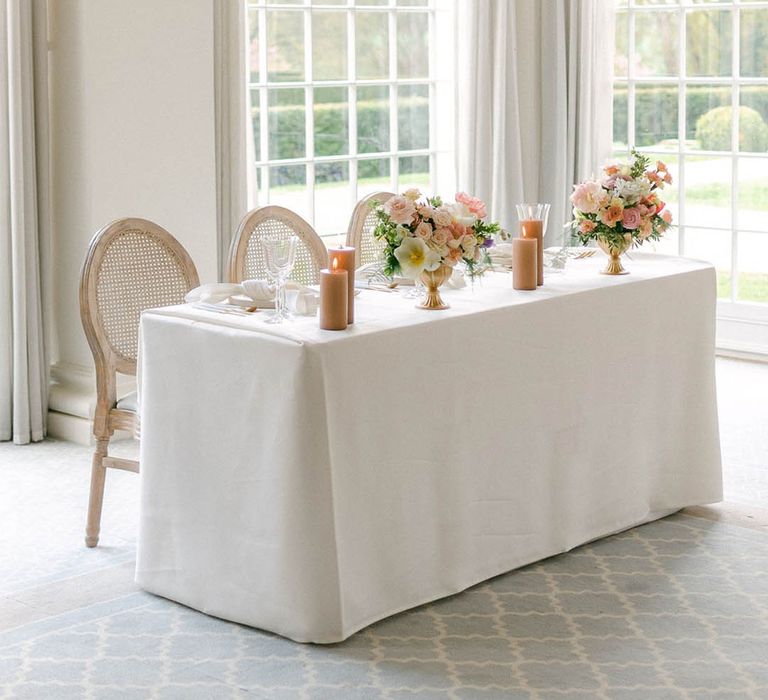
(742, 325)
(439, 150)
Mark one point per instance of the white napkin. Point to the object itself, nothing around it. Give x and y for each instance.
(299, 299)
(501, 254)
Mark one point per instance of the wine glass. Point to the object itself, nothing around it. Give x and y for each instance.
(279, 256)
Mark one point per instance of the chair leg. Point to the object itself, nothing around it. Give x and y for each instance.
(96, 498)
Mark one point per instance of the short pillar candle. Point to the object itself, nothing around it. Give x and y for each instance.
(533, 228)
(333, 298)
(524, 263)
(345, 255)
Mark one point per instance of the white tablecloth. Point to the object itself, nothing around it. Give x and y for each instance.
(312, 482)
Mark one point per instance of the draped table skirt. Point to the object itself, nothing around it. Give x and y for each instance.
(312, 482)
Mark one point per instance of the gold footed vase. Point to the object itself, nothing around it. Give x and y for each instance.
(432, 281)
(614, 253)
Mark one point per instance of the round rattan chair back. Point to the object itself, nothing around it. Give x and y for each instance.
(360, 231)
(131, 265)
(246, 257)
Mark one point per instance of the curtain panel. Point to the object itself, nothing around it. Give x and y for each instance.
(534, 81)
(24, 220)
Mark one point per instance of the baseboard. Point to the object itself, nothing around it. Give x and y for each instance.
(64, 426)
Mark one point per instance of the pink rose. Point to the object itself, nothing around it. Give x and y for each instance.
(588, 197)
(425, 211)
(631, 218)
(424, 231)
(441, 236)
(474, 204)
(400, 210)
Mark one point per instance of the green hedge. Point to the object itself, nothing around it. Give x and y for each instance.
(287, 137)
(656, 107)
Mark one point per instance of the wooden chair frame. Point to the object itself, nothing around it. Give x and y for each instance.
(356, 232)
(109, 359)
(253, 220)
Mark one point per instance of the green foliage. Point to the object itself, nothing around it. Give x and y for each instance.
(713, 130)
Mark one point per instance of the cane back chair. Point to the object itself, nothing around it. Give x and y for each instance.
(131, 265)
(360, 232)
(246, 256)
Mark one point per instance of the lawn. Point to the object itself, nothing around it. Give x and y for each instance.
(753, 286)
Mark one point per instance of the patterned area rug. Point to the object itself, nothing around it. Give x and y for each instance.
(677, 608)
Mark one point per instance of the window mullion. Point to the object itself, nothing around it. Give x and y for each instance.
(682, 70)
(394, 138)
(352, 105)
(263, 107)
(309, 117)
(735, 112)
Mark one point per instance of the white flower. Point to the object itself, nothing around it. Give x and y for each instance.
(414, 257)
(462, 214)
(632, 190)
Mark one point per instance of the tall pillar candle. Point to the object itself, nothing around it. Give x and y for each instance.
(346, 261)
(524, 263)
(333, 298)
(533, 228)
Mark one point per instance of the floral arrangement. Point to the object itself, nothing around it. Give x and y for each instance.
(624, 206)
(422, 233)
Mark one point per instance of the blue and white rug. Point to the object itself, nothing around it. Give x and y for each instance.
(677, 608)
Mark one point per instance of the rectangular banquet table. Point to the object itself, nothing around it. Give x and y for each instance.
(312, 482)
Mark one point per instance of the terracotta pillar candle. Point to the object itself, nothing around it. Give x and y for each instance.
(333, 298)
(533, 228)
(524, 263)
(346, 261)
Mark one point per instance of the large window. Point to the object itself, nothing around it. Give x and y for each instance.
(347, 98)
(691, 88)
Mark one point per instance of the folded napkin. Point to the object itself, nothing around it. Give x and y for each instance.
(259, 293)
(501, 254)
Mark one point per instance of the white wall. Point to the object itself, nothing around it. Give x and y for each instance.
(132, 129)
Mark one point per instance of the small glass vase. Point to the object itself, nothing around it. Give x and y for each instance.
(432, 281)
(614, 251)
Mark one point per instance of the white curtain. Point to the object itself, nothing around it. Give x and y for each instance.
(235, 176)
(24, 219)
(534, 81)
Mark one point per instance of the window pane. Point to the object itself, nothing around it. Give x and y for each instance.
(709, 41)
(620, 61)
(331, 197)
(413, 2)
(753, 118)
(286, 124)
(372, 50)
(288, 188)
(620, 135)
(285, 46)
(753, 194)
(715, 247)
(372, 176)
(371, 2)
(655, 115)
(372, 119)
(331, 122)
(667, 244)
(329, 45)
(753, 51)
(656, 42)
(708, 191)
(256, 123)
(413, 117)
(752, 264)
(253, 40)
(414, 171)
(708, 116)
(412, 47)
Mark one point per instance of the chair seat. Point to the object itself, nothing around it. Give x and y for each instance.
(129, 402)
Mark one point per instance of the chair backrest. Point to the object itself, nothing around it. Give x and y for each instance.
(131, 265)
(246, 256)
(360, 231)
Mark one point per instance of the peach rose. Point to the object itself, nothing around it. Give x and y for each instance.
(441, 236)
(442, 217)
(588, 197)
(400, 210)
(587, 226)
(424, 231)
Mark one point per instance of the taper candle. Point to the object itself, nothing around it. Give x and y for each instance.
(333, 298)
(524, 263)
(346, 261)
(532, 228)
